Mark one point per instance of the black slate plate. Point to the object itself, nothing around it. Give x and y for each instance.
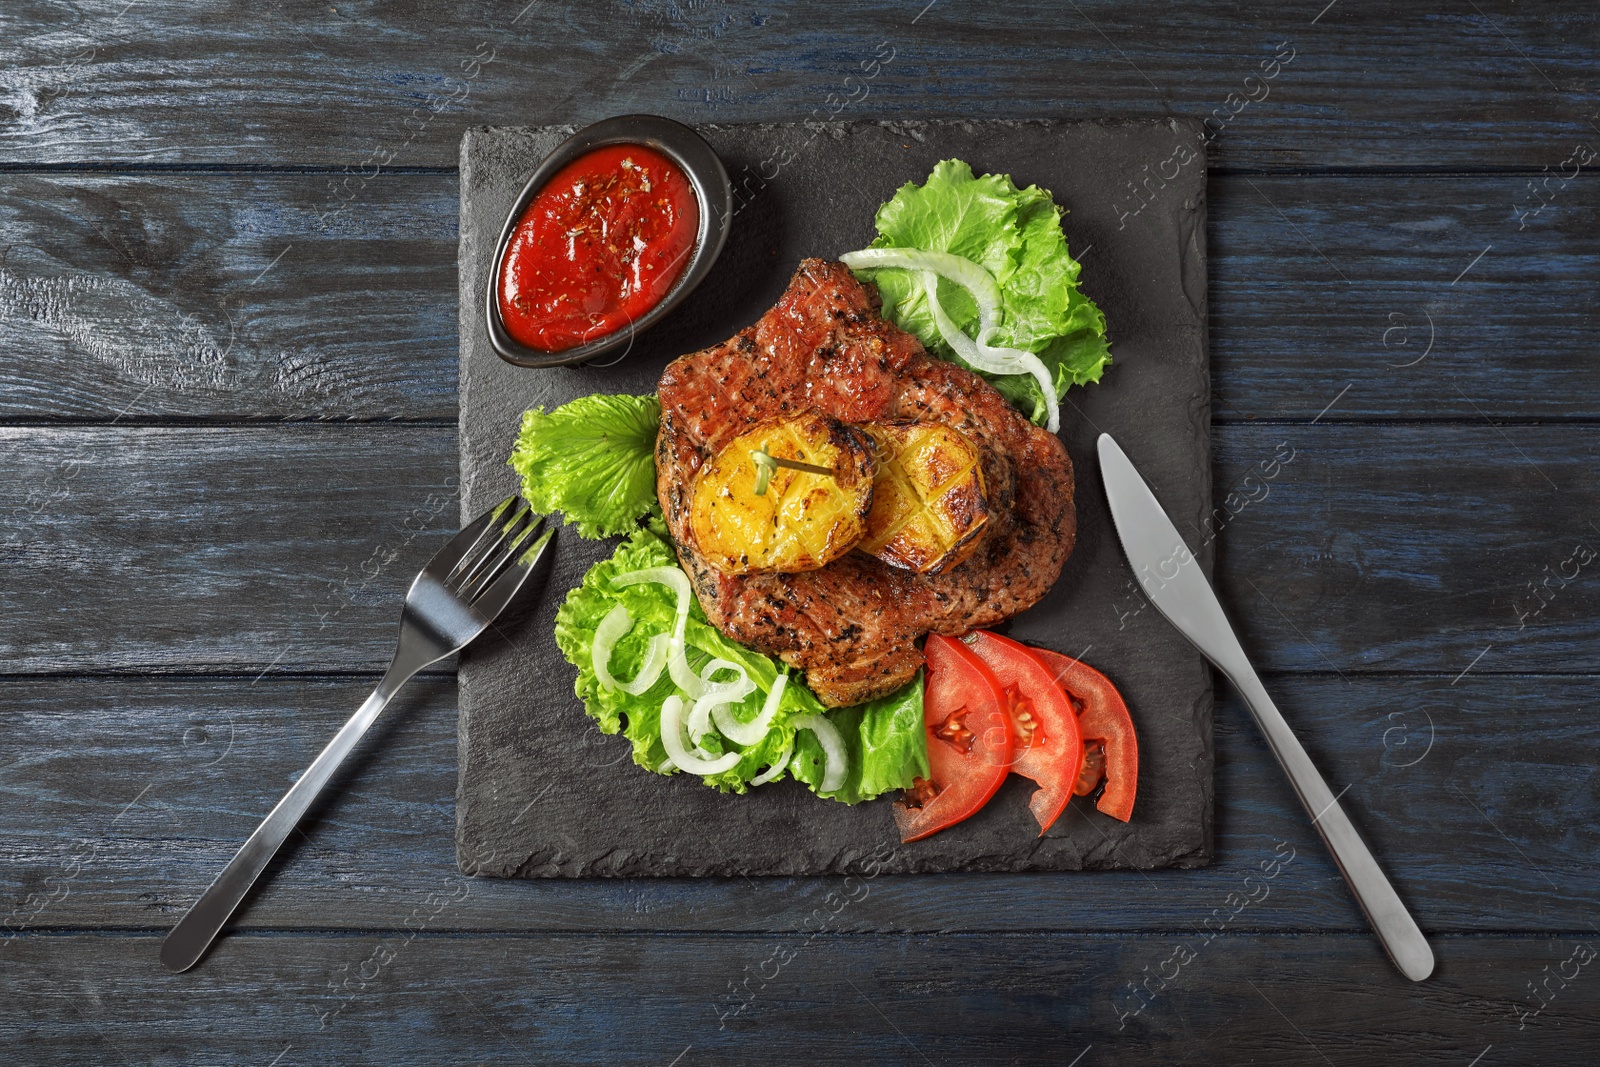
(544, 794)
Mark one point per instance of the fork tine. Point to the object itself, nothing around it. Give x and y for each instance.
(499, 593)
(508, 510)
(488, 547)
(492, 558)
(468, 542)
(510, 545)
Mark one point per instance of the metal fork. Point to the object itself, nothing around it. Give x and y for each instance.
(454, 599)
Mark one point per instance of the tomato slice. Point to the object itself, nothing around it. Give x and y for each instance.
(1105, 722)
(1048, 749)
(969, 741)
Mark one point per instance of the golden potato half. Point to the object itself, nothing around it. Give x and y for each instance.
(928, 508)
(804, 520)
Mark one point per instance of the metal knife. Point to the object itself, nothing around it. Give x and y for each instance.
(1171, 577)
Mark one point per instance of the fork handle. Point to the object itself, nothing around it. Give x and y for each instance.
(194, 933)
(1395, 927)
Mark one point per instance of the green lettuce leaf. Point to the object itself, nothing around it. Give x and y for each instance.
(1016, 235)
(593, 460)
(885, 738)
(886, 743)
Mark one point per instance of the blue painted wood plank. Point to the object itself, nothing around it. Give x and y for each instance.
(366, 85)
(1373, 548)
(410, 996)
(161, 297)
(206, 297)
(1462, 549)
(124, 796)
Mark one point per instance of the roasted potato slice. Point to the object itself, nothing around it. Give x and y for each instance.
(928, 508)
(804, 520)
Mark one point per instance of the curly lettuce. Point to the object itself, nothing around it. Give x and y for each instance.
(885, 739)
(593, 460)
(1015, 234)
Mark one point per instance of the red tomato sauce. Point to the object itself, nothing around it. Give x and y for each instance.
(598, 247)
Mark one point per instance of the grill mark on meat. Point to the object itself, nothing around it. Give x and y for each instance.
(852, 626)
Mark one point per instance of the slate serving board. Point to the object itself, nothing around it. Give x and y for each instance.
(543, 793)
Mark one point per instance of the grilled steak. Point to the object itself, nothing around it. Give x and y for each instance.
(852, 625)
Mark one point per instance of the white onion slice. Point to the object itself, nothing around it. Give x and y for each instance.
(985, 292)
(698, 723)
(964, 272)
(616, 623)
(671, 577)
(778, 765)
(655, 658)
(611, 630)
(672, 739)
(754, 731)
(701, 712)
(677, 652)
(989, 358)
(1028, 363)
(964, 346)
(742, 685)
(983, 356)
(838, 761)
(716, 698)
(683, 675)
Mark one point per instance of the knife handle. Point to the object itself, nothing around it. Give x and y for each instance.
(1384, 910)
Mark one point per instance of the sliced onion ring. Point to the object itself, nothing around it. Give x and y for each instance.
(832, 741)
(683, 675)
(611, 629)
(975, 279)
(972, 277)
(779, 765)
(671, 577)
(698, 724)
(989, 358)
(964, 346)
(754, 731)
(677, 652)
(715, 700)
(742, 686)
(672, 739)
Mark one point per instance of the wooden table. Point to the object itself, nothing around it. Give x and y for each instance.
(227, 304)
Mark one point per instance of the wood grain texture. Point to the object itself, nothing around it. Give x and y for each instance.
(1399, 548)
(409, 997)
(207, 296)
(1374, 548)
(363, 84)
(1430, 297)
(124, 797)
(144, 286)
(187, 297)
(188, 547)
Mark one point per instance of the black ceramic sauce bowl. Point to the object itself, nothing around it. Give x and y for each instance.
(713, 195)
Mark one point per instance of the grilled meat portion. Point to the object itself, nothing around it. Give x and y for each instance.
(852, 625)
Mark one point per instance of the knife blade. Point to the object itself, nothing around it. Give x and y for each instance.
(1171, 577)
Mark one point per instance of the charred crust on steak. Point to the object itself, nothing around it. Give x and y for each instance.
(854, 625)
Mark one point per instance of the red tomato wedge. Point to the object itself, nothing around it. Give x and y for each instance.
(1048, 747)
(1111, 750)
(969, 741)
